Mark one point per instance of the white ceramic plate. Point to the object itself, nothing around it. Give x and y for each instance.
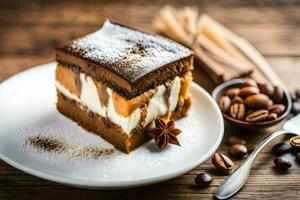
(27, 109)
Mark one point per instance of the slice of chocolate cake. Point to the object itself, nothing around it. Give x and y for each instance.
(116, 81)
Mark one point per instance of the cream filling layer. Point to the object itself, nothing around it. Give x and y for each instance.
(89, 95)
(127, 123)
(89, 98)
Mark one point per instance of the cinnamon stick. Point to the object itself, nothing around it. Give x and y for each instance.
(238, 65)
(213, 30)
(167, 21)
(223, 54)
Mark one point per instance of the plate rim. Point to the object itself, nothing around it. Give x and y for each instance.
(80, 183)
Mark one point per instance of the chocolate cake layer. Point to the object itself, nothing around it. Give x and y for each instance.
(129, 61)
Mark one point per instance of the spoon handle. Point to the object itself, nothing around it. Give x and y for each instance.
(238, 178)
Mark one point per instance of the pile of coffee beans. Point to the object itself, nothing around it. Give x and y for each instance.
(253, 102)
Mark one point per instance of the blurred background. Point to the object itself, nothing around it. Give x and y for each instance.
(30, 29)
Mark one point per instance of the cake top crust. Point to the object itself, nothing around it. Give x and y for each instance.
(129, 53)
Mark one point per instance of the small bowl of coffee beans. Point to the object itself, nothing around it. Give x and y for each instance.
(248, 104)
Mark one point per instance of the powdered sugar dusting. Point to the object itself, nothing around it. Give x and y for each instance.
(127, 51)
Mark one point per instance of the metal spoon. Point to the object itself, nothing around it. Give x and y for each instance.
(238, 178)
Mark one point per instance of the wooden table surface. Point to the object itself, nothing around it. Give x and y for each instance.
(30, 29)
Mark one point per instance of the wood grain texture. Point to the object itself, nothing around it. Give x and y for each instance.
(30, 29)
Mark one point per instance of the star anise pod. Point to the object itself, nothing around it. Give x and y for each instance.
(164, 133)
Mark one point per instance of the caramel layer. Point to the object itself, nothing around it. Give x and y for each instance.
(66, 76)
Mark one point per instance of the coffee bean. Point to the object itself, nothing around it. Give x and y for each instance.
(298, 157)
(250, 111)
(272, 116)
(236, 140)
(295, 142)
(281, 148)
(237, 150)
(270, 103)
(257, 116)
(257, 101)
(238, 111)
(203, 179)
(224, 104)
(250, 82)
(277, 108)
(295, 108)
(232, 92)
(237, 99)
(266, 89)
(295, 150)
(282, 163)
(222, 163)
(293, 96)
(278, 94)
(247, 91)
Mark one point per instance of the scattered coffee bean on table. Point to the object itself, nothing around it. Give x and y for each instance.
(237, 151)
(203, 179)
(236, 140)
(295, 142)
(281, 148)
(282, 163)
(222, 163)
(295, 108)
(297, 92)
(298, 157)
(293, 96)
